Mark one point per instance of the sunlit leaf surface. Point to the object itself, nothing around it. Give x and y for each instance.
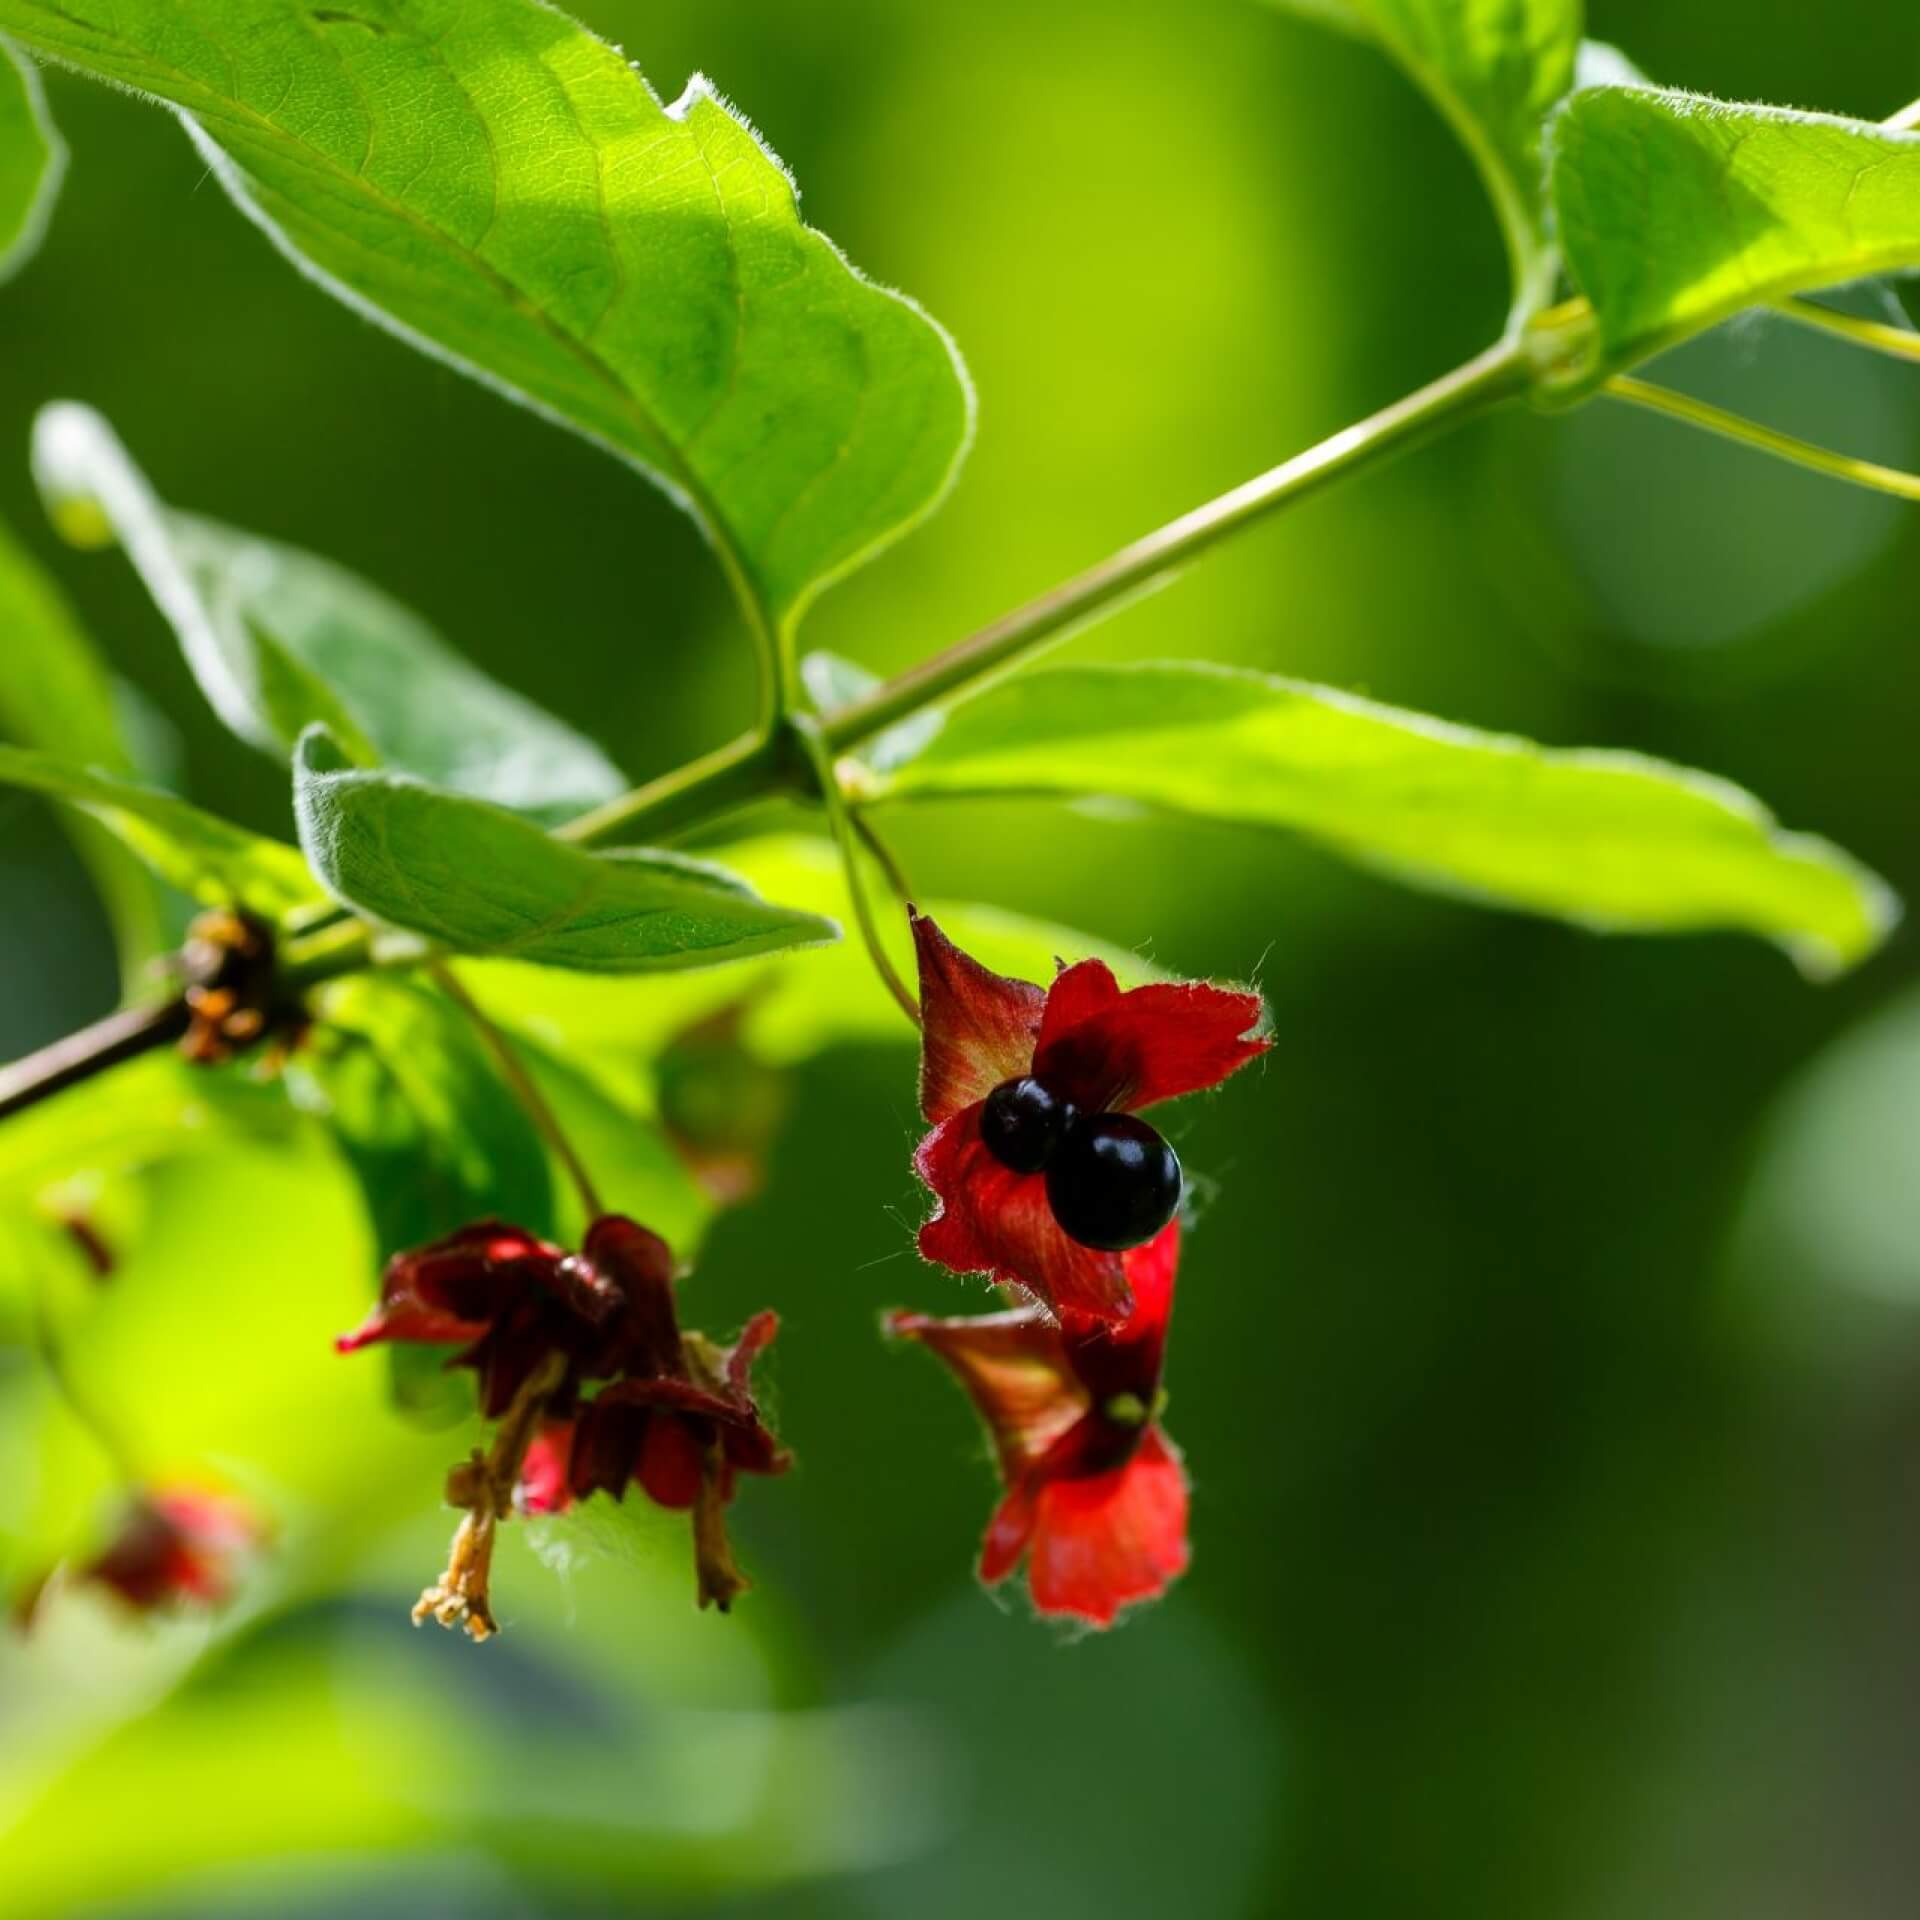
(1609, 840)
(504, 189)
(1676, 211)
(476, 879)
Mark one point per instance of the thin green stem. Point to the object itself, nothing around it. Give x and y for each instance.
(1487, 381)
(883, 855)
(1783, 446)
(525, 1089)
(1880, 335)
(847, 836)
(736, 775)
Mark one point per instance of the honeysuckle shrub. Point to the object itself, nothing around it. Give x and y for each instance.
(547, 1041)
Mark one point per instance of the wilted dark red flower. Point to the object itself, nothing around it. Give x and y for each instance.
(537, 1324)
(1031, 1093)
(681, 1437)
(1096, 1496)
(174, 1546)
(509, 1300)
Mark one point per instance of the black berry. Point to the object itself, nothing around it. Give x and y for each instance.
(1022, 1124)
(1113, 1183)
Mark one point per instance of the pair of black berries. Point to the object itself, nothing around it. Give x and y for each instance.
(1112, 1182)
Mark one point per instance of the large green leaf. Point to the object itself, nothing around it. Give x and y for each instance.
(504, 189)
(1609, 840)
(279, 640)
(32, 159)
(1494, 69)
(206, 857)
(476, 879)
(56, 695)
(1676, 212)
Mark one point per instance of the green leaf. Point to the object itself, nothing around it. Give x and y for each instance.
(1608, 840)
(32, 161)
(503, 189)
(206, 857)
(476, 879)
(1676, 212)
(56, 695)
(280, 640)
(793, 1007)
(1494, 69)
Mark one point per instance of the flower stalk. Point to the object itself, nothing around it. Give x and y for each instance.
(1783, 446)
(526, 1089)
(484, 1486)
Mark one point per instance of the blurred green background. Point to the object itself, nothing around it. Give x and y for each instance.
(1548, 1359)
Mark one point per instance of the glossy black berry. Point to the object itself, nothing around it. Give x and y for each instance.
(1113, 1183)
(1022, 1123)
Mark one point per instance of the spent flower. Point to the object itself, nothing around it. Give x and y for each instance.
(539, 1326)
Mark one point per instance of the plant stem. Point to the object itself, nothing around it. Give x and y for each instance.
(1880, 335)
(120, 1036)
(526, 1090)
(1498, 375)
(847, 838)
(774, 760)
(733, 776)
(1783, 446)
(883, 855)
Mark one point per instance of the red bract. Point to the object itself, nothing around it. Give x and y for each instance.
(538, 1324)
(683, 1438)
(509, 1300)
(1092, 1045)
(1096, 1497)
(174, 1546)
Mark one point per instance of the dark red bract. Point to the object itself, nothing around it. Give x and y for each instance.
(683, 1438)
(540, 1326)
(1096, 1496)
(508, 1300)
(1101, 1049)
(173, 1547)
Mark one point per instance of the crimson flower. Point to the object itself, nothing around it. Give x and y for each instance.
(682, 1438)
(1096, 1496)
(510, 1300)
(174, 1546)
(537, 1325)
(1043, 1176)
